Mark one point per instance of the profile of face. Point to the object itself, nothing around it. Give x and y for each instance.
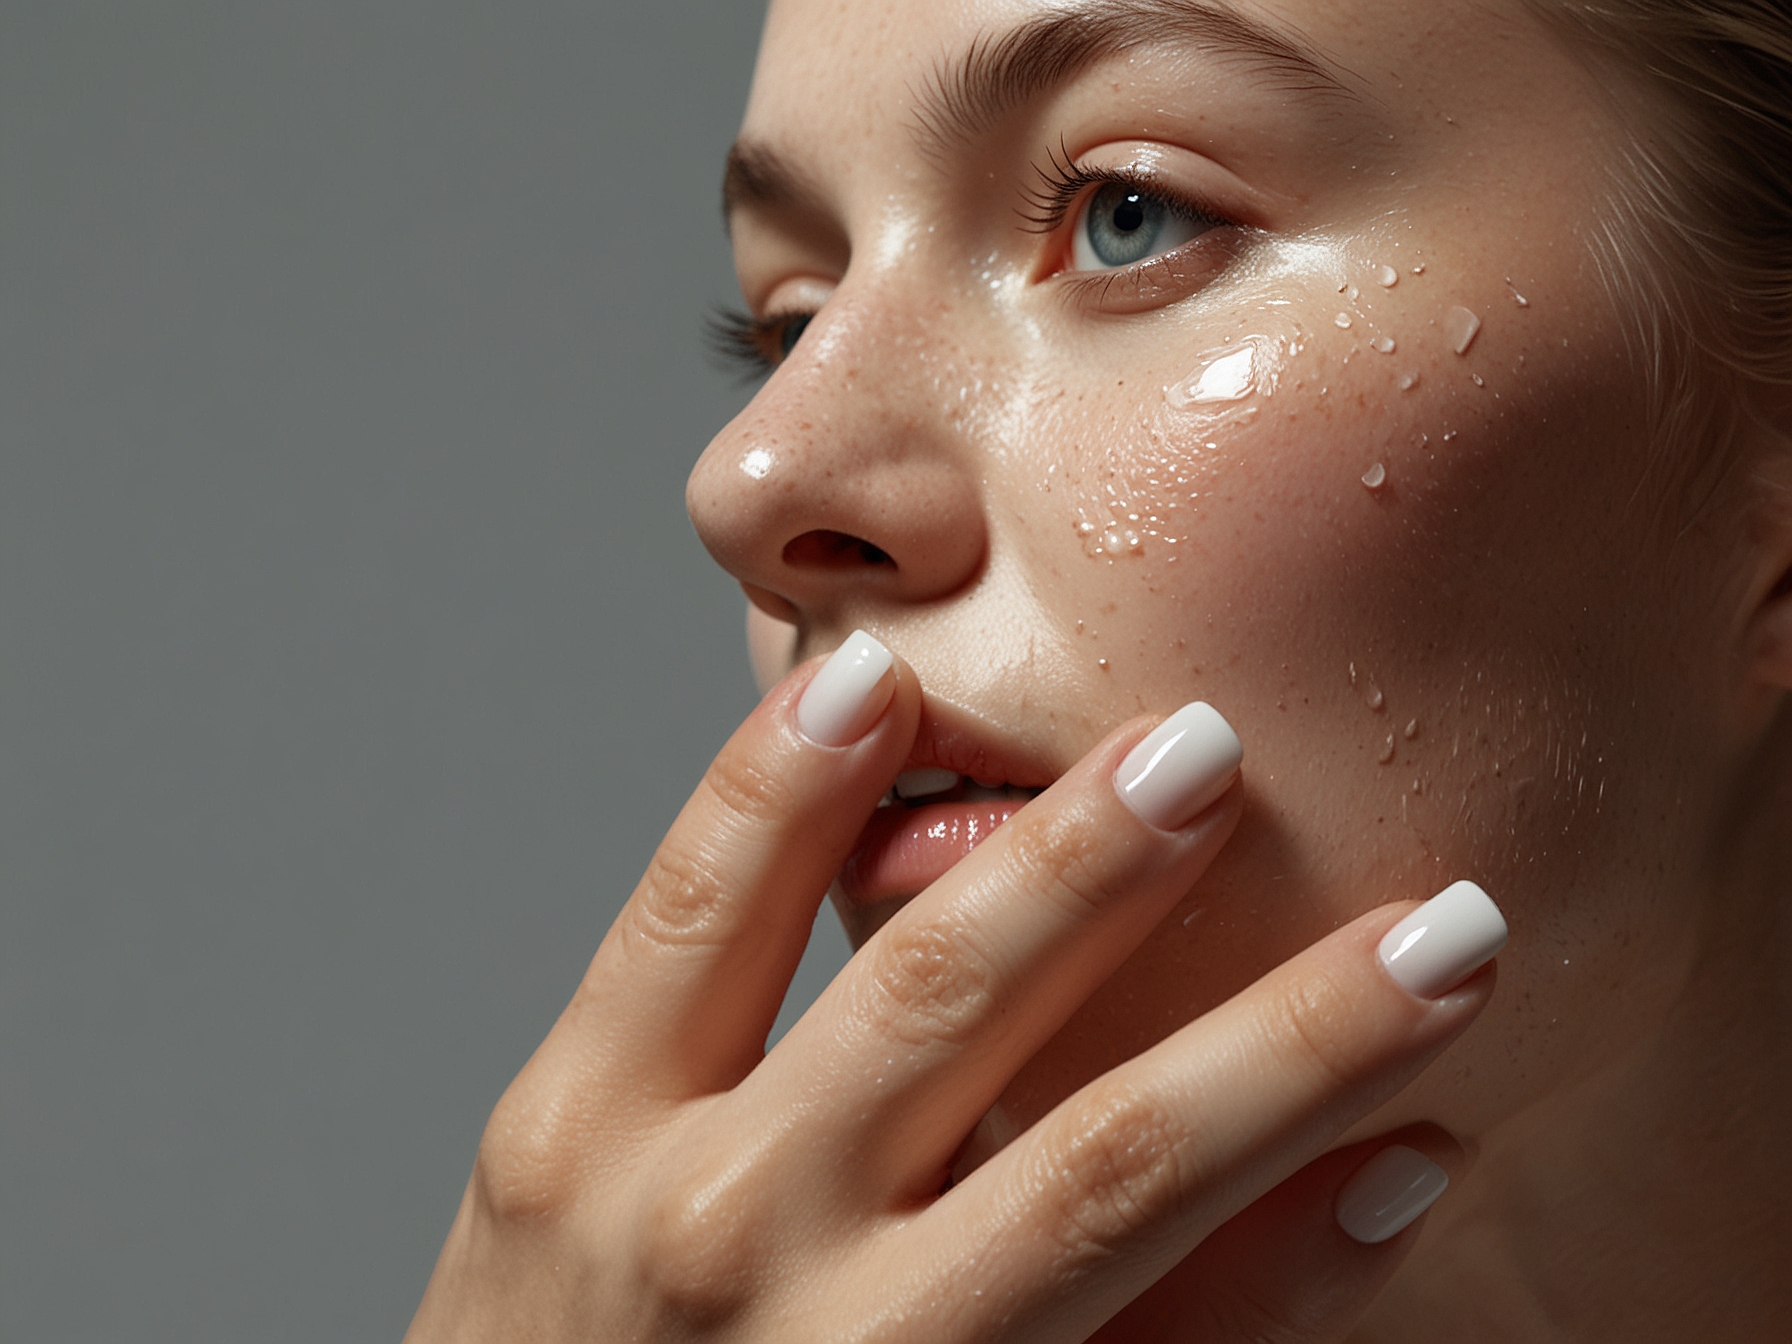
(1134, 353)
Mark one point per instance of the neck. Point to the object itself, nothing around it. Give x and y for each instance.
(1651, 1201)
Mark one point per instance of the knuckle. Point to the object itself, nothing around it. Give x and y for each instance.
(1310, 1023)
(695, 1250)
(1063, 854)
(683, 899)
(749, 790)
(529, 1165)
(928, 983)
(1116, 1176)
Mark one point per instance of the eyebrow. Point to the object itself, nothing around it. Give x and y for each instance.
(757, 174)
(997, 73)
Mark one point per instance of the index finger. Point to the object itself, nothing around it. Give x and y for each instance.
(689, 979)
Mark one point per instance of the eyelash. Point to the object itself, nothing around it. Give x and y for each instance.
(1062, 183)
(741, 341)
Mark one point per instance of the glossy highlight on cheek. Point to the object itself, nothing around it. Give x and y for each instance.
(1225, 378)
(1139, 497)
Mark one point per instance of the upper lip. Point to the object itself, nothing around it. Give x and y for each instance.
(953, 738)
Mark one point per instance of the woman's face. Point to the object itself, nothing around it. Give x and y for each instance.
(1255, 353)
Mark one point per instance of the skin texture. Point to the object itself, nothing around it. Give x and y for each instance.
(1105, 1081)
(1515, 660)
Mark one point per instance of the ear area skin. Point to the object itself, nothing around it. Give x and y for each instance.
(1770, 636)
(1767, 640)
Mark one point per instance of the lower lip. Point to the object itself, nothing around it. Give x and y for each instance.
(905, 850)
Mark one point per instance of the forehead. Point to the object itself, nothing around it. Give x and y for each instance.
(844, 66)
(1470, 119)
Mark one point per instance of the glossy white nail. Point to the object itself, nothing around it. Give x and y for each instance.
(1438, 945)
(848, 694)
(1180, 767)
(1387, 1192)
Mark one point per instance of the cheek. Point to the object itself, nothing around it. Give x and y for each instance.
(1403, 573)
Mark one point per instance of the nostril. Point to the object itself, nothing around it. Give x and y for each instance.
(834, 550)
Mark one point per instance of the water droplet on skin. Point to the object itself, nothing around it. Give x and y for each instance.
(1408, 381)
(1385, 344)
(1450, 434)
(1102, 663)
(1084, 529)
(1386, 276)
(1460, 326)
(1412, 729)
(1342, 319)
(1419, 269)
(1373, 698)
(1387, 750)
(1479, 381)
(1117, 542)
(1374, 478)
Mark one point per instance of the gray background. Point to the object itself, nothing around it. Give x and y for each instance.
(357, 649)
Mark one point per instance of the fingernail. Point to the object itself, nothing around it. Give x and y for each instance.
(1182, 765)
(1440, 943)
(849, 693)
(1388, 1192)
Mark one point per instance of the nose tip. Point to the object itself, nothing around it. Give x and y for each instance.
(817, 518)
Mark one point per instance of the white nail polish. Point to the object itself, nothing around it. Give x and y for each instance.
(848, 694)
(1440, 943)
(1180, 767)
(1387, 1192)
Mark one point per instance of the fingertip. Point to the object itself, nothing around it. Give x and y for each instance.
(848, 693)
(1440, 944)
(1388, 1193)
(1180, 768)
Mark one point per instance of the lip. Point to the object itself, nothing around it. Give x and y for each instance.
(953, 738)
(906, 847)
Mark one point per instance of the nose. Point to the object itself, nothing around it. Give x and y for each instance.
(847, 479)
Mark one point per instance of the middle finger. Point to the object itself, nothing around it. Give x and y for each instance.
(920, 1033)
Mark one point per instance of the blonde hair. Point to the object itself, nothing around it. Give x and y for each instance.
(1697, 243)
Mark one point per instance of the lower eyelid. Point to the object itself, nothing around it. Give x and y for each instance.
(1156, 281)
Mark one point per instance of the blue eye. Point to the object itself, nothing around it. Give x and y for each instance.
(1122, 225)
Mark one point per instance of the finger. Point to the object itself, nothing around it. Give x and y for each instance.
(689, 979)
(1285, 1269)
(961, 987)
(1102, 1197)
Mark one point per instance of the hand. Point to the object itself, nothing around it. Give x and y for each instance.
(653, 1175)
